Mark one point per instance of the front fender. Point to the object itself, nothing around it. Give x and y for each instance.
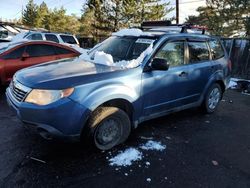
(107, 93)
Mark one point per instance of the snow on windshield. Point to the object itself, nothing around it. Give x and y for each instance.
(101, 57)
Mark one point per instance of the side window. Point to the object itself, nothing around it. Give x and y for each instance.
(198, 51)
(68, 39)
(60, 50)
(216, 48)
(173, 52)
(51, 37)
(37, 50)
(16, 54)
(35, 36)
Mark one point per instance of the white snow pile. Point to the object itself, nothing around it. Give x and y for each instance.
(107, 59)
(126, 158)
(130, 32)
(232, 84)
(153, 145)
(130, 155)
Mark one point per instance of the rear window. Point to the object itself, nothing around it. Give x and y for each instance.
(60, 50)
(68, 39)
(216, 49)
(51, 37)
(198, 51)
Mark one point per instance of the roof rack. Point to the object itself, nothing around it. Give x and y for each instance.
(149, 25)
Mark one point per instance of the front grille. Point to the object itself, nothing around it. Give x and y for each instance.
(18, 91)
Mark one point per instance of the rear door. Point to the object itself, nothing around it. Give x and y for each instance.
(200, 66)
(39, 53)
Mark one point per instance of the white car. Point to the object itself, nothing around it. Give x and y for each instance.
(55, 37)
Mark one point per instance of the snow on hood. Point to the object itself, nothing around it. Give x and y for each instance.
(19, 37)
(107, 59)
(131, 32)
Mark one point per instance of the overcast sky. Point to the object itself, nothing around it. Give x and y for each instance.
(11, 9)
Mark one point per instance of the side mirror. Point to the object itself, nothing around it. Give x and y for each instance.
(159, 64)
(25, 55)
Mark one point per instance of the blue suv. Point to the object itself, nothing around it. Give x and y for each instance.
(92, 97)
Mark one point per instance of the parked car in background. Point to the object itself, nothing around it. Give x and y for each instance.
(16, 56)
(48, 36)
(131, 77)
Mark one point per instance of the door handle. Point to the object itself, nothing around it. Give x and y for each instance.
(183, 74)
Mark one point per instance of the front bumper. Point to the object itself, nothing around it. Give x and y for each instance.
(63, 119)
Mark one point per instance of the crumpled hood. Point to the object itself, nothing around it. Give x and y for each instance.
(62, 74)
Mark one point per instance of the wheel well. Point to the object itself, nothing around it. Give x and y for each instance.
(123, 104)
(222, 85)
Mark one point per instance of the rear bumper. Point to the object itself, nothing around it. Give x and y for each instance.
(63, 119)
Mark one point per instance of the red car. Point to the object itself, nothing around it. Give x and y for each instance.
(19, 55)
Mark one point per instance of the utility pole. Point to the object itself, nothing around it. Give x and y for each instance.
(177, 11)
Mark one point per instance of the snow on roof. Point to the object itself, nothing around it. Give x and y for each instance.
(131, 32)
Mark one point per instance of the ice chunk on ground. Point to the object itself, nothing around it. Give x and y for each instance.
(148, 179)
(232, 84)
(130, 32)
(153, 145)
(126, 157)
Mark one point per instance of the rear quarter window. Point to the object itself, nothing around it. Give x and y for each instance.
(51, 37)
(216, 49)
(68, 39)
(198, 52)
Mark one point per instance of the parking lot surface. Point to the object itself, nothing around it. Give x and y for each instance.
(201, 151)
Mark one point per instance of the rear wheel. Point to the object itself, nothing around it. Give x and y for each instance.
(109, 126)
(212, 98)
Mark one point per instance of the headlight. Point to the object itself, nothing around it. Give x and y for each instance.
(44, 97)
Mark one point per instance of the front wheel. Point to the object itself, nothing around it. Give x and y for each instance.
(109, 127)
(212, 98)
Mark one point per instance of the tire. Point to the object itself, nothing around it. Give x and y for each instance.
(109, 126)
(212, 98)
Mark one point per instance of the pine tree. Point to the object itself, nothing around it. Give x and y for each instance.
(42, 12)
(29, 16)
(224, 17)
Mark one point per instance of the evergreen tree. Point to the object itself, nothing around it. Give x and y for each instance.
(224, 17)
(29, 16)
(42, 12)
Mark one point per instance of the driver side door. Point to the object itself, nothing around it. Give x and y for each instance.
(168, 89)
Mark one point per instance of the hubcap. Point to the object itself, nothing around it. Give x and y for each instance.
(108, 131)
(214, 98)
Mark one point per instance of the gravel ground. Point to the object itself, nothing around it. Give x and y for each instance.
(201, 151)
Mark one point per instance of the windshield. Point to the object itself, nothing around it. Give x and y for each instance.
(6, 46)
(122, 48)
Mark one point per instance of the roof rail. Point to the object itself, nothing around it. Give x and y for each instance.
(185, 27)
(148, 25)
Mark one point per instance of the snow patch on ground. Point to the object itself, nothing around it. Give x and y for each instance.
(126, 157)
(131, 32)
(153, 145)
(232, 84)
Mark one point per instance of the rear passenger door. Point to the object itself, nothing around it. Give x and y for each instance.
(39, 53)
(200, 66)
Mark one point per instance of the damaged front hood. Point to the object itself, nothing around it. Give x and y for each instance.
(62, 74)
